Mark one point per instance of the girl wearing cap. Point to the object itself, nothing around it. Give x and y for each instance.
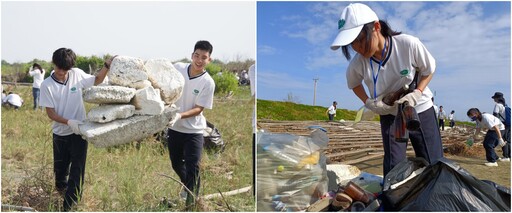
(387, 60)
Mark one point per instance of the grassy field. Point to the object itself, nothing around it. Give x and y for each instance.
(127, 177)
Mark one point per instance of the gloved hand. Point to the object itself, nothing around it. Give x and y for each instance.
(379, 107)
(74, 126)
(412, 98)
(174, 120)
(501, 142)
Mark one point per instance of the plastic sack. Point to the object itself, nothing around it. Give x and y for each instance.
(213, 138)
(291, 170)
(442, 186)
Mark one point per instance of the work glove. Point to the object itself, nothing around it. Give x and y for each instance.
(74, 126)
(501, 142)
(379, 107)
(412, 98)
(174, 120)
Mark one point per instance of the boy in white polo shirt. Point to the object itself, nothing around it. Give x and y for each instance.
(61, 94)
(185, 134)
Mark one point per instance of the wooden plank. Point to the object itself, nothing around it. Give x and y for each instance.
(349, 152)
(365, 158)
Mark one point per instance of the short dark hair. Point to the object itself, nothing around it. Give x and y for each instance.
(64, 58)
(385, 30)
(36, 65)
(472, 111)
(204, 45)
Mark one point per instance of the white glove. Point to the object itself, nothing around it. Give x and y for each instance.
(379, 107)
(74, 126)
(174, 120)
(501, 142)
(412, 98)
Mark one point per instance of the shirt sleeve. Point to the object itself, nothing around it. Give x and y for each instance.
(354, 74)
(423, 59)
(87, 80)
(45, 99)
(205, 99)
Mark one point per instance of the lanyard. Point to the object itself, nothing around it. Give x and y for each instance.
(375, 77)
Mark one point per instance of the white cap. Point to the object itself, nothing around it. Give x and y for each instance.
(352, 20)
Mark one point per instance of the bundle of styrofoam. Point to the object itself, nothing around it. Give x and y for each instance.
(137, 102)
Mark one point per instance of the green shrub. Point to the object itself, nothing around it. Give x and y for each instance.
(225, 82)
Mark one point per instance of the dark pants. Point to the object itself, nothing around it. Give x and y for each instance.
(490, 142)
(452, 123)
(506, 137)
(35, 94)
(426, 142)
(69, 156)
(331, 117)
(185, 152)
(441, 124)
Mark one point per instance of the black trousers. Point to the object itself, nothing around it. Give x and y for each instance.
(426, 142)
(69, 156)
(441, 124)
(331, 117)
(185, 153)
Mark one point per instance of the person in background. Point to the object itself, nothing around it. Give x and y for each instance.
(494, 134)
(185, 133)
(331, 111)
(500, 113)
(441, 117)
(384, 63)
(452, 118)
(13, 100)
(61, 95)
(37, 72)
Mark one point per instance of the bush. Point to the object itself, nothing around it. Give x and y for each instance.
(225, 82)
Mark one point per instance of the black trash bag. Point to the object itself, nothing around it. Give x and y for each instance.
(213, 139)
(442, 186)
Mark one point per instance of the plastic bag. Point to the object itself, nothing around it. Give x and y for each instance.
(212, 138)
(291, 170)
(442, 186)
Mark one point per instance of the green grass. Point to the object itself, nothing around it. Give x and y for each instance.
(127, 177)
(288, 111)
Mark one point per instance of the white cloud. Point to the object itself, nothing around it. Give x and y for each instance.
(267, 50)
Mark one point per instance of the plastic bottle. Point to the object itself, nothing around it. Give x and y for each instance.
(401, 132)
(356, 192)
(276, 152)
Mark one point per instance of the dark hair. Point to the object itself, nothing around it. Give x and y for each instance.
(64, 58)
(36, 65)
(472, 111)
(385, 30)
(204, 45)
(501, 100)
(453, 111)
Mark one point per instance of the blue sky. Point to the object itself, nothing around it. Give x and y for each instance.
(469, 40)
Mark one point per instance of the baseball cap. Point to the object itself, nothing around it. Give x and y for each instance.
(352, 20)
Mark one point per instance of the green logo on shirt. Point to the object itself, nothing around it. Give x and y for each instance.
(196, 91)
(73, 89)
(404, 72)
(341, 22)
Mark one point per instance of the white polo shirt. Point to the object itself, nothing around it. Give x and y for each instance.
(38, 77)
(332, 110)
(14, 99)
(198, 90)
(489, 121)
(398, 69)
(66, 98)
(499, 109)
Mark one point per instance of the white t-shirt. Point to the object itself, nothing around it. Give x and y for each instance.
(442, 115)
(332, 110)
(66, 98)
(38, 77)
(252, 78)
(406, 55)
(500, 109)
(489, 121)
(197, 90)
(451, 117)
(14, 99)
